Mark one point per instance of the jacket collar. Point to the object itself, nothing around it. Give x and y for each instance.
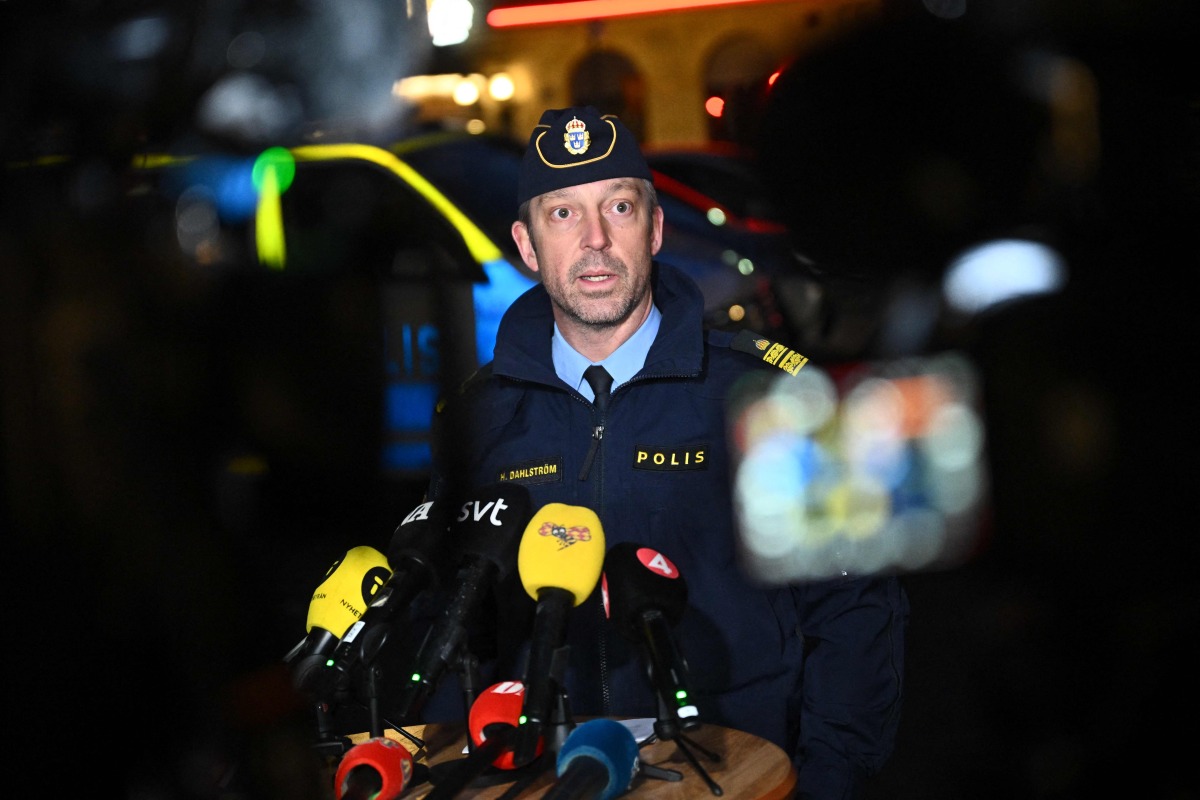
(523, 339)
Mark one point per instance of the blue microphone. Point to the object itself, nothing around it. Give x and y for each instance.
(598, 761)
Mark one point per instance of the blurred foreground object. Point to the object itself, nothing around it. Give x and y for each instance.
(877, 469)
(928, 168)
(111, 77)
(894, 152)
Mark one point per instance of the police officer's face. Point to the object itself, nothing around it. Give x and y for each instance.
(593, 245)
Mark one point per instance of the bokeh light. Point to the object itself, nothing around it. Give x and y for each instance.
(880, 470)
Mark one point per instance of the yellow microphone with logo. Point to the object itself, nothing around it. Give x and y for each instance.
(559, 560)
(350, 585)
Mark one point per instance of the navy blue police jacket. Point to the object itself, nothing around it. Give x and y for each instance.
(816, 668)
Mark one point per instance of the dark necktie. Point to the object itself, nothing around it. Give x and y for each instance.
(600, 381)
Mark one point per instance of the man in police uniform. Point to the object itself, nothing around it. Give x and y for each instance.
(815, 668)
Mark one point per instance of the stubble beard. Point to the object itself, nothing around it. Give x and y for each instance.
(600, 312)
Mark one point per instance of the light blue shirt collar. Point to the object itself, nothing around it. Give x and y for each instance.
(623, 364)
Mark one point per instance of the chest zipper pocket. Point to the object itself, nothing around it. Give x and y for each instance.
(597, 436)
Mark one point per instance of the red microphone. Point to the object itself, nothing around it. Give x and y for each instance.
(492, 726)
(377, 769)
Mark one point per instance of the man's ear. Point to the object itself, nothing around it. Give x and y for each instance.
(656, 231)
(520, 234)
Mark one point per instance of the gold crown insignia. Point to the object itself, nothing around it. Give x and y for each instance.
(576, 139)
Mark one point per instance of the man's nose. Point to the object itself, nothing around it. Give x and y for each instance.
(595, 232)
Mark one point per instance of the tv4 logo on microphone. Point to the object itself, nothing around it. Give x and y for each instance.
(657, 562)
(421, 512)
(649, 558)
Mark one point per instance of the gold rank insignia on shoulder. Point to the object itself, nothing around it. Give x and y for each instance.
(773, 353)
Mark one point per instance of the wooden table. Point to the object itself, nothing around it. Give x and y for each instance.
(750, 768)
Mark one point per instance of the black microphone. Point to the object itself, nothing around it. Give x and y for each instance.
(644, 595)
(598, 761)
(417, 555)
(560, 558)
(487, 530)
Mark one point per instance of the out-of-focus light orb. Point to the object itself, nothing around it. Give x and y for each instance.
(799, 405)
(715, 107)
(281, 161)
(716, 216)
(466, 93)
(745, 266)
(859, 506)
(450, 21)
(955, 437)
(248, 106)
(501, 87)
(1002, 270)
(881, 470)
(946, 9)
(246, 50)
(736, 313)
(922, 534)
(476, 126)
(139, 39)
(196, 225)
(770, 493)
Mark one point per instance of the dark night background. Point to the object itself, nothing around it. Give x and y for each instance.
(155, 586)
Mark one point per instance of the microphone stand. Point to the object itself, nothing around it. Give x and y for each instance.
(466, 664)
(328, 744)
(667, 728)
(333, 746)
(561, 721)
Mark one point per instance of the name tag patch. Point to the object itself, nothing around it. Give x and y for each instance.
(670, 458)
(539, 470)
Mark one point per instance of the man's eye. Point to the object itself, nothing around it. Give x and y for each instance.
(622, 207)
(560, 213)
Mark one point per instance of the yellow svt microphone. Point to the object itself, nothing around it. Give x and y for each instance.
(560, 560)
(338, 602)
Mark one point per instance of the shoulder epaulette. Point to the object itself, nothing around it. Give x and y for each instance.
(773, 353)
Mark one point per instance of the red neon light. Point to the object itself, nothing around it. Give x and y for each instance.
(581, 10)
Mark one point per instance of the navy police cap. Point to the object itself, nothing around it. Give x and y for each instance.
(570, 146)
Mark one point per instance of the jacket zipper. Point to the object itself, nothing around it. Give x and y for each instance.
(597, 436)
(594, 450)
(605, 689)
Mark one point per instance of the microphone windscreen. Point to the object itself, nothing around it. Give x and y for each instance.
(490, 521)
(499, 703)
(638, 578)
(348, 588)
(377, 768)
(563, 548)
(421, 535)
(608, 743)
